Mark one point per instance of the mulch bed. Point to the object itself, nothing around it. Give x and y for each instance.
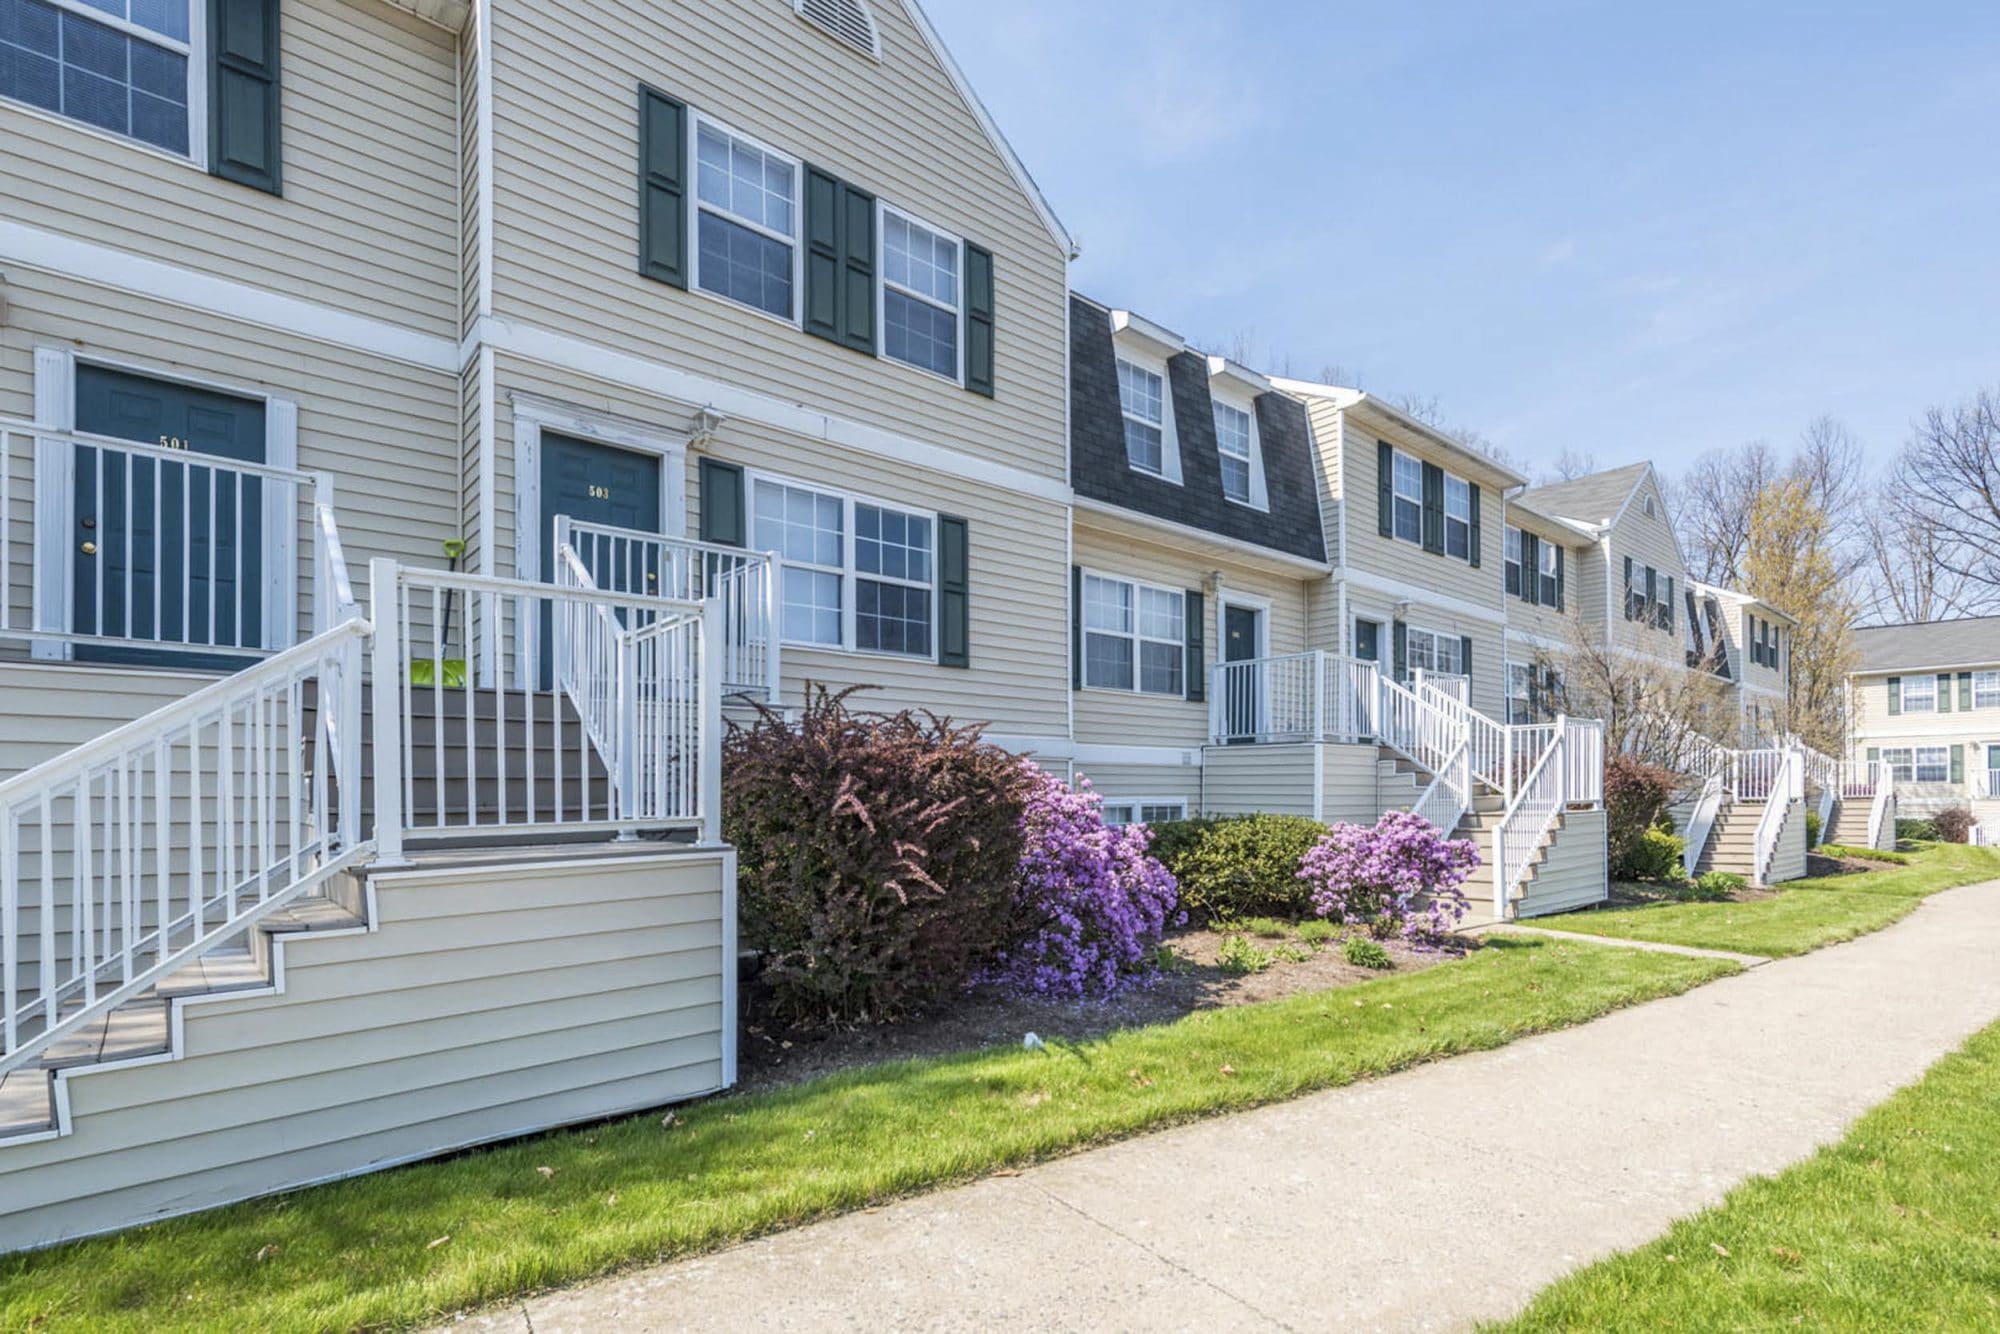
(770, 1055)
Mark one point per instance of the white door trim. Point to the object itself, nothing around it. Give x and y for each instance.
(532, 416)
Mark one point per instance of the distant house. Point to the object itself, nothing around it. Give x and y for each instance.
(1924, 702)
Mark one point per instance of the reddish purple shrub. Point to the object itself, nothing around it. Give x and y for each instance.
(1399, 874)
(1091, 903)
(877, 856)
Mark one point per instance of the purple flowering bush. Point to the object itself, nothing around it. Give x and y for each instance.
(1092, 903)
(1398, 875)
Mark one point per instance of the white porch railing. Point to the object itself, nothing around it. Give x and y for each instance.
(602, 714)
(743, 583)
(1755, 774)
(133, 546)
(125, 858)
(1449, 796)
(1537, 803)
(1296, 697)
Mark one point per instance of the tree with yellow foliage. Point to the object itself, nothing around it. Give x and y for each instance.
(1791, 565)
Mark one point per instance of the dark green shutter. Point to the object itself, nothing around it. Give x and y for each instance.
(722, 513)
(1895, 695)
(1465, 655)
(1400, 646)
(1628, 588)
(1965, 692)
(1531, 568)
(1385, 489)
(244, 139)
(1874, 754)
(954, 593)
(840, 262)
(1667, 605)
(1433, 508)
(663, 242)
(1197, 647)
(1944, 692)
(1958, 764)
(1076, 627)
(1561, 585)
(979, 320)
(1475, 528)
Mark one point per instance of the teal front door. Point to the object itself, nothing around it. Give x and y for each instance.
(1244, 701)
(600, 484)
(166, 552)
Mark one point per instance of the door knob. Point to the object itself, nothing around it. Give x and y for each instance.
(89, 548)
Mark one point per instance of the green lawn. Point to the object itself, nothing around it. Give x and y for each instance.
(1804, 915)
(1896, 1227)
(404, 1247)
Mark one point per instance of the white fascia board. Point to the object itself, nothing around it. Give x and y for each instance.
(1238, 376)
(1350, 399)
(1143, 333)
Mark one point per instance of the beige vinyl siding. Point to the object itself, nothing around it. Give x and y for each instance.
(1873, 725)
(1127, 717)
(370, 154)
(566, 153)
(1788, 862)
(1370, 553)
(1145, 782)
(1575, 873)
(1248, 780)
(1649, 540)
(47, 708)
(1557, 625)
(1348, 776)
(488, 1002)
(1019, 678)
(1596, 589)
(1754, 675)
(383, 431)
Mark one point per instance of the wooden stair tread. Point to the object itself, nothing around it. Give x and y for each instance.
(25, 1106)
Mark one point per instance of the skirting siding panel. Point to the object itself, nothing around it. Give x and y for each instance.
(1576, 873)
(1789, 861)
(485, 1003)
(1347, 777)
(1247, 780)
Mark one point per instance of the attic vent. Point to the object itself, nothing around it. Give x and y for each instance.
(844, 20)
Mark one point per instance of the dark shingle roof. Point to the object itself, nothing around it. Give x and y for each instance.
(1972, 642)
(1593, 499)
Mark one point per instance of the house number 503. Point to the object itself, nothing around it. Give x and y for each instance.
(600, 493)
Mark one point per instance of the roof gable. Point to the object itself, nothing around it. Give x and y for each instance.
(1973, 641)
(1599, 499)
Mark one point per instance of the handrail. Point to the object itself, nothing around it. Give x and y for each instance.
(1879, 808)
(1309, 696)
(173, 833)
(1537, 805)
(1445, 802)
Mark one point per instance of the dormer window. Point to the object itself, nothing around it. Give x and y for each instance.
(1232, 444)
(1142, 396)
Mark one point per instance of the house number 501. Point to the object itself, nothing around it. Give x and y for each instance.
(600, 493)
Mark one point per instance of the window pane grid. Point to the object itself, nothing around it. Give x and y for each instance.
(1142, 396)
(892, 607)
(1919, 694)
(1232, 443)
(63, 62)
(1134, 637)
(747, 200)
(1986, 690)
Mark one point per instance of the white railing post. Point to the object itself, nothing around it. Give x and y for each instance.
(709, 733)
(773, 609)
(384, 597)
(1317, 721)
(625, 730)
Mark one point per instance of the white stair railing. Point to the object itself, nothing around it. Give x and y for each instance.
(1537, 804)
(743, 583)
(1449, 796)
(1786, 784)
(127, 857)
(1418, 729)
(1293, 697)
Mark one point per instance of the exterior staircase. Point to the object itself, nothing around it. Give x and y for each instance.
(1849, 826)
(1732, 844)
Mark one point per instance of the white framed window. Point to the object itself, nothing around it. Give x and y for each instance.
(922, 295)
(1933, 764)
(854, 574)
(746, 221)
(1457, 517)
(1986, 690)
(1920, 694)
(1149, 440)
(1144, 810)
(1408, 486)
(132, 68)
(1546, 558)
(1900, 762)
(1435, 651)
(1241, 455)
(1134, 636)
(1513, 561)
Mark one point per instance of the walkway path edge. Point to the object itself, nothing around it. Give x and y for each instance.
(1652, 946)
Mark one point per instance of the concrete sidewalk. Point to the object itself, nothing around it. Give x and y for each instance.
(1426, 1200)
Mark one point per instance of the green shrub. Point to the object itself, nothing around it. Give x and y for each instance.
(1709, 887)
(1657, 856)
(877, 856)
(1953, 824)
(1238, 957)
(1238, 867)
(1317, 931)
(1916, 831)
(1365, 953)
(1268, 928)
(1635, 801)
(1812, 829)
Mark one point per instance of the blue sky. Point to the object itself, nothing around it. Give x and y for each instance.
(1633, 231)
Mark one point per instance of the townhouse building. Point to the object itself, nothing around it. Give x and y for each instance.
(1924, 706)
